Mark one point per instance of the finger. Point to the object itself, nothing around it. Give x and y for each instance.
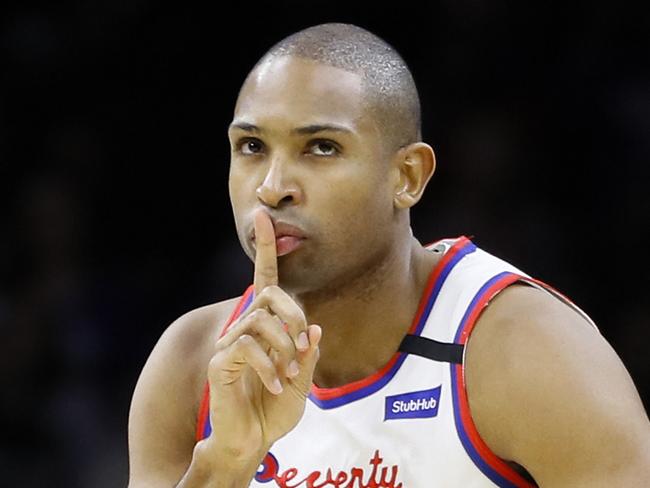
(268, 330)
(307, 361)
(244, 325)
(227, 365)
(266, 259)
(281, 304)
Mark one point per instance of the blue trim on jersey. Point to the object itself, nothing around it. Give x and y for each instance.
(475, 300)
(377, 385)
(476, 458)
(474, 455)
(464, 251)
(361, 392)
(207, 427)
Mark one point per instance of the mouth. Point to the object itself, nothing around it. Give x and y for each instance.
(288, 237)
(287, 244)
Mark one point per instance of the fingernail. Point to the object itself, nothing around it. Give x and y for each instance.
(293, 369)
(277, 387)
(303, 341)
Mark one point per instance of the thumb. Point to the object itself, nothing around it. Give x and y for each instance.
(307, 360)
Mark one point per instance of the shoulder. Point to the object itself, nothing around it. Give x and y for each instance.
(185, 347)
(164, 408)
(546, 390)
(193, 334)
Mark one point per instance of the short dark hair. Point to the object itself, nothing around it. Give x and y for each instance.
(390, 88)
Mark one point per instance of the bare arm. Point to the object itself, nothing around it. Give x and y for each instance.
(548, 392)
(164, 407)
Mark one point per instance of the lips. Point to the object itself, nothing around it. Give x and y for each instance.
(288, 237)
(286, 244)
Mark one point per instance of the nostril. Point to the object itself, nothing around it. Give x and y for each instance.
(274, 197)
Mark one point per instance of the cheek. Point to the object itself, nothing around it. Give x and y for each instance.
(357, 202)
(364, 193)
(239, 197)
(241, 187)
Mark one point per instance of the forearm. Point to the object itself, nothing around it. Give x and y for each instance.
(208, 469)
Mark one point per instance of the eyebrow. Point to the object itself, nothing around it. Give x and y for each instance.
(245, 126)
(306, 130)
(315, 128)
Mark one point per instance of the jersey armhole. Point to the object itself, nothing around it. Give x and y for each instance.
(498, 470)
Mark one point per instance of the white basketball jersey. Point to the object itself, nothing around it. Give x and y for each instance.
(408, 425)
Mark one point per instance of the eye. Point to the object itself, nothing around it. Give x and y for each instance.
(323, 148)
(250, 146)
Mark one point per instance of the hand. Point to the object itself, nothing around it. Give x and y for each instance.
(261, 373)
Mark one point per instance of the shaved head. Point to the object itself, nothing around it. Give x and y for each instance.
(389, 89)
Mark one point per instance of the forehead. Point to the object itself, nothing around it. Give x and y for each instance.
(300, 91)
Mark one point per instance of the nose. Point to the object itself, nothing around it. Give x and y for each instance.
(277, 189)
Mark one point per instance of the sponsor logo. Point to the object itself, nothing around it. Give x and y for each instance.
(377, 476)
(415, 405)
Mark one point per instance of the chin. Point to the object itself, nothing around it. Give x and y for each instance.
(297, 277)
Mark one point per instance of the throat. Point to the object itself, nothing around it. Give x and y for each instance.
(350, 358)
(362, 331)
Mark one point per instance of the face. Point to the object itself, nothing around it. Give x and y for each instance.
(305, 149)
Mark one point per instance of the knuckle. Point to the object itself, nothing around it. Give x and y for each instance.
(245, 341)
(220, 345)
(269, 292)
(287, 346)
(274, 290)
(298, 316)
(215, 364)
(259, 315)
(255, 314)
(295, 324)
(280, 339)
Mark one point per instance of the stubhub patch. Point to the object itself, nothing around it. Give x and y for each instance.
(415, 405)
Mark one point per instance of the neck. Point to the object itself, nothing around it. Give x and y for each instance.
(365, 320)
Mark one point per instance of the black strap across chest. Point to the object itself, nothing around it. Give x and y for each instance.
(434, 350)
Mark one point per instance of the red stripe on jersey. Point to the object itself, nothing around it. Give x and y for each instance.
(204, 409)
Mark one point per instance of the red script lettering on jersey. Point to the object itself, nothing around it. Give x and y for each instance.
(379, 476)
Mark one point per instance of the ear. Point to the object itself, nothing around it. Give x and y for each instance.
(415, 165)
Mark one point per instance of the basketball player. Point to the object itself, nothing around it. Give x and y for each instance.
(437, 366)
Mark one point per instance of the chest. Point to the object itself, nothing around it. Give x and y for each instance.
(402, 435)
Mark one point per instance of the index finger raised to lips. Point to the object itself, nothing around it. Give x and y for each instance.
(266, 258)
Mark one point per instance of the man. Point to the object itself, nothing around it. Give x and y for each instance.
(439, 366)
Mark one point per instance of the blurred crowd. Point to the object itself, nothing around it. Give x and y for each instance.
(114, 210)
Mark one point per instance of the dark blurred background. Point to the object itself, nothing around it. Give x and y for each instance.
(115, 217)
